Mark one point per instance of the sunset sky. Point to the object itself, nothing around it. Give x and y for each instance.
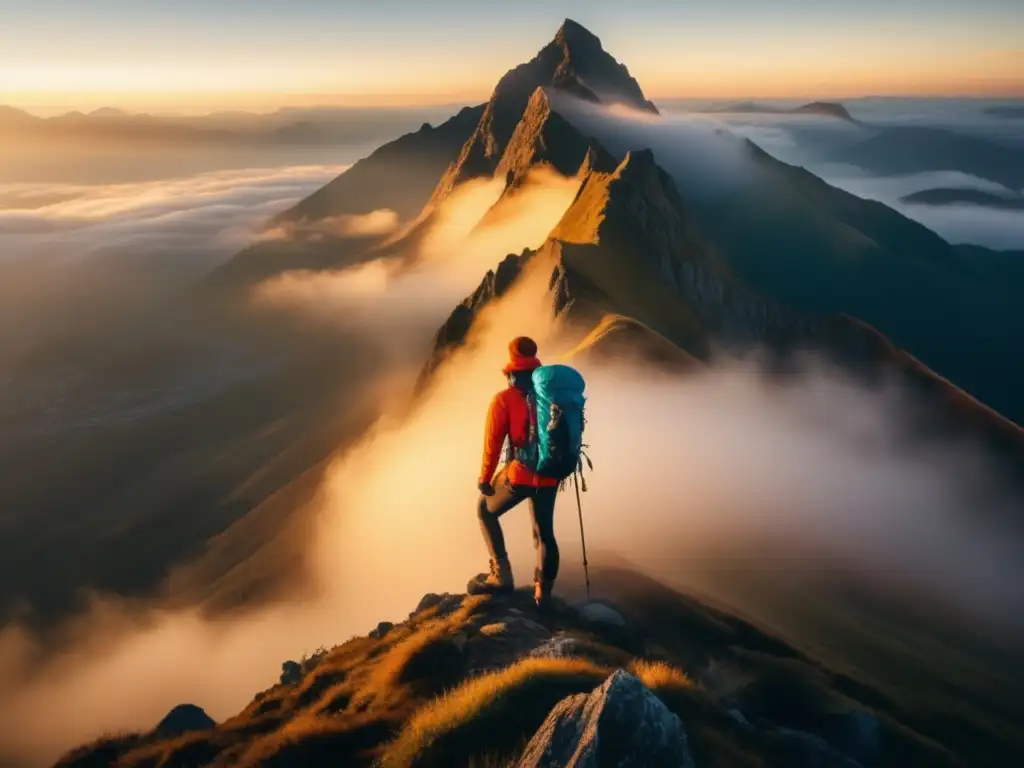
(199, 55)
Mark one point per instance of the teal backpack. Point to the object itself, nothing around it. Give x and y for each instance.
(555, 447)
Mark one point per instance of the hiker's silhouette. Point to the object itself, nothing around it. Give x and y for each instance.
(512, 418)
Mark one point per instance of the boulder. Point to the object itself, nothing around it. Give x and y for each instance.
(599, 613)
(182, 719)
(560, 646)
(446, 603)
(459, 640)
(429, 600)
(620, 723)
(382, 629)
(291, 672)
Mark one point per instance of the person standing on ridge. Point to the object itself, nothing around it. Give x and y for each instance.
(509, 416)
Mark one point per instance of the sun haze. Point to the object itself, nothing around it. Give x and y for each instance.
(199, 57)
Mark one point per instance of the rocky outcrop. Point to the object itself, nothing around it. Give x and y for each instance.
(453, 333)
(291, 672)
(620, 724)
(542, 139)
(183, 719)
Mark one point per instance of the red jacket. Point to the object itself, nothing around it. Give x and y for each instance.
(509, 416)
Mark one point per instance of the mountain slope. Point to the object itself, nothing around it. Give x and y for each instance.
(468, 681)
(630, 246)
(791, 236)
(903, 150)
(402, 176)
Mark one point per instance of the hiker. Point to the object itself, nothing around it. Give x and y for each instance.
(509, 417)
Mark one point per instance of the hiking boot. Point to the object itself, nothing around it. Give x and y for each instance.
(498, 580)
(542, 593)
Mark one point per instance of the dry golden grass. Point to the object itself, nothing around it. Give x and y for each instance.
(492, 712)
(359, 694)
(420, 653)
(661, 676)
(309, 739)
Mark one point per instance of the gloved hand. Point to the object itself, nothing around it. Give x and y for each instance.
(486, 489)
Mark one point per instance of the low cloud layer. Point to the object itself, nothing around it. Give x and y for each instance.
(814, 473)
(72, 254)
(804, 140)
(203, 218)
(372, 224)
(404, 299)
(975, 224)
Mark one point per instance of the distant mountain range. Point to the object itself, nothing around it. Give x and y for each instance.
(823, 108)
(1010, 111)
(903, 150)
(773, 256)
(899, 150)
(955, 196)
(318, 125)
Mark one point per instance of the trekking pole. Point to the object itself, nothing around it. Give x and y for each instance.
(583, 539)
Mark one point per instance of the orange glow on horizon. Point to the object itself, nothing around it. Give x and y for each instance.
(707, 73)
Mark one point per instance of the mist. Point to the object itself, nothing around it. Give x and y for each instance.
(990, 227)
(805, 139)
(728, 466)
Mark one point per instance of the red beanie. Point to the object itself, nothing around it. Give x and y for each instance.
(522, 355)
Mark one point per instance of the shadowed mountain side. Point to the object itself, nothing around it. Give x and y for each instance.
(271, 257)
(902, 150)
(263, 555)
(628, 246)
(398, 177)
(959, 316)
(954, 196)
(125, 503)
(790, 236)
(822, 108)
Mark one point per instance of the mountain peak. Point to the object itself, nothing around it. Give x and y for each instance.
(575, 63)
(574, 33)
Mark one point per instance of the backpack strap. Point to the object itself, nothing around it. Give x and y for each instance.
(531, 418)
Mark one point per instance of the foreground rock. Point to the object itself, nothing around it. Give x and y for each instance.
(620, 724)
(182, 719)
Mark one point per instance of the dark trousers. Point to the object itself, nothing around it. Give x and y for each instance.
(542, 511)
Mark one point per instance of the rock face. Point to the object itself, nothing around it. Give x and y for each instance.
(291, 672)
(543, 138)
(455, 329)
(574, 62)
(182, 719)
(620, 724)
